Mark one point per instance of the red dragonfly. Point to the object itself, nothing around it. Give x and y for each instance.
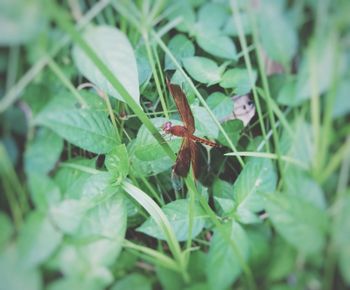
(189, 149)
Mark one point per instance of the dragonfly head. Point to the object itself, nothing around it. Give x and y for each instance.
(166, 127)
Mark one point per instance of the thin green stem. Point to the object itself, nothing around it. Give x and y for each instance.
(155, 75)
(243, 42)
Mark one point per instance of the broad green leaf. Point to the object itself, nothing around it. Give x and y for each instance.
(94, 278)
(71, 179)
(315, 73)
(181, 47)
(178, 215)
(212, 16)
(220, 104)
(67, 215)
(106, 222)
(229, 248)
(44, 191)
(301, 224)
(133, 281)
(117, 163)
(195, 266)
(216, 44)
(233, 129)
(230, 26)
(257, 177)
(341, 233)
(88, 129)
(94, 188)
(38, 239)
(169, 280)
(20, 21)
(114, 49)
(205, 125)
(202, 69)
(146, 147)
(143, 66)
(278, 35)
(6, 230)
(282, 259)
(341, 104)
(182, 9)
(259, 237)
(239, 80)
(301, 145)
(42, 152)
(146, 155)
(14, 275)
(300, 185)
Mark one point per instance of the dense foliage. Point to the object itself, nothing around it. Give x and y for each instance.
(88, 198)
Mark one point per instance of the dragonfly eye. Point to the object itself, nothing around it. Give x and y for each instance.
(167, 126)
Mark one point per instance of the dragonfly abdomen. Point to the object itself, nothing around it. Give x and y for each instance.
(204, 141)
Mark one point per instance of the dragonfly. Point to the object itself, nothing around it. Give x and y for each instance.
(188, 153)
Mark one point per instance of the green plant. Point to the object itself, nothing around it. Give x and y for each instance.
(87, 196)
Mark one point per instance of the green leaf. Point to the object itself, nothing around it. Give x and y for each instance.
(42, 152)
(133, 281)
(183, 9)
(233, 129)
(300, 146)
(301, 224)
(114, 49)
(177, 212)
(143, 66)
(341, 103)
(230, 26)
(106, 222)
(259, 237)
(212, 16)
(44, 191)
(20, 21)
(278, 35)
(146, 156)
(181, 47)
(117, 163)
(257, 177)
(67, 215)
(225, 256)
(38, 239)
(88, 129)
(223, 192)
(6, 230)
(340, 234)
(316, 72)
(95, 278)
(216, 44)
(220, 104)
(70, 180)
(282, 259)
(300, 185)
(239, 80)
(204, 123)
(14, 275)
(202, 69)
(169, 280)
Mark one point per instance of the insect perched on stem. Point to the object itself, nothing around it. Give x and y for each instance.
(189, 148)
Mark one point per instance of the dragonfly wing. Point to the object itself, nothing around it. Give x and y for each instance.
(195, 160)
(182, 106)
(182, 164)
